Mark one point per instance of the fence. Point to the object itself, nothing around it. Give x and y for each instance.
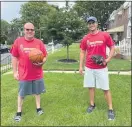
(125, 47)
(6, 62)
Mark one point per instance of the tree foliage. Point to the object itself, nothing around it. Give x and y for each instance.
(60, 24)
(100, 9)
(34, 12)
(4, 30)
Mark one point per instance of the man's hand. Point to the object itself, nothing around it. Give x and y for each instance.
(40, 64)
(16, 75)
(106, 61)
(81, 71)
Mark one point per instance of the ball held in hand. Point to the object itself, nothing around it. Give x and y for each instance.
(36, 56)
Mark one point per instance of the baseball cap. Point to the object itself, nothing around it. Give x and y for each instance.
(91, 18)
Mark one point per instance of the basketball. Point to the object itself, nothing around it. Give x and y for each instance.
(36, 56)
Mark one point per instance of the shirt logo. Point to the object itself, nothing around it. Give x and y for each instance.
(94, 43)
(27, 50)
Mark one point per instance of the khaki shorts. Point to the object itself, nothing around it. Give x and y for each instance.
(96, 78)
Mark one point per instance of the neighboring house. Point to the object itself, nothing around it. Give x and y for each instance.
(119, 27)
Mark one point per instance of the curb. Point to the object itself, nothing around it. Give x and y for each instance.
(110, 72)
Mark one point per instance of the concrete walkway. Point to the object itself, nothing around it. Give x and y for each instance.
(55, 71)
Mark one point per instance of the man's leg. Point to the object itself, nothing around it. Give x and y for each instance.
(108, 98)
(91, 95)
(89, 82)
(37, 98)
(19, 108)
(111, 115)
(102, 81)
(38, 108)
(19, 103)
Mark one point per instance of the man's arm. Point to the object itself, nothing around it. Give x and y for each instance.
(82, 56)
(112, 51)
(15, 67)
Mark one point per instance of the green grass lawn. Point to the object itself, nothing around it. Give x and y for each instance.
(74, 50)
(52, 61)
(65, 102)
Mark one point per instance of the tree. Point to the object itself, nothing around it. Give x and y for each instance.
(50, 21)
(4, 30)
(35, 12)
(73, 27)
(15, 30)
(99, 9)
(67, 42)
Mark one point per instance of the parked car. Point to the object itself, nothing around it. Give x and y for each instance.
(4, 49)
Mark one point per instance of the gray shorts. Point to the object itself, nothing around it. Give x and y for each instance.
(31, 87)
(96, 78)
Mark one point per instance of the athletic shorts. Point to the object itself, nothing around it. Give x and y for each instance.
(31, 87)
(96, 78)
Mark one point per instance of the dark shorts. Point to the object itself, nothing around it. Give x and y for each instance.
(31, 87)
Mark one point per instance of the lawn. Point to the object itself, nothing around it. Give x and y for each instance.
(65, 102)
(53, 64)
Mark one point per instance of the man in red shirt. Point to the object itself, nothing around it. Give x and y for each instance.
(29, 75)
(94, 43)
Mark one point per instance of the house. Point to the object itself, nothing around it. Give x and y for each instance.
(119, 27)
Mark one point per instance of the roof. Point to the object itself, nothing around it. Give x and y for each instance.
(116, 29)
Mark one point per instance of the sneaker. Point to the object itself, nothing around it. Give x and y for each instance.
(17, 117)
(91, 108)
(111, 115)
(40, 111)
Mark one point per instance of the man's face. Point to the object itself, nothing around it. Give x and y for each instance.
(92, 25)
(29, 31)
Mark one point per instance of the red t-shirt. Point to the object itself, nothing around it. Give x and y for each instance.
(21, 49)
(95, 44)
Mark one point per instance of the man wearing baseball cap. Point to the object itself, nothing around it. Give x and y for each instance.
(96, 74)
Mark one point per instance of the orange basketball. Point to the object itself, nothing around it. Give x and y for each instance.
(36, 56)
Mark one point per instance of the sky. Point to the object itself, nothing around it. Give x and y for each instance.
(10, 10)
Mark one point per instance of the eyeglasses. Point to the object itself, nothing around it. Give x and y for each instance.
(29, 29)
